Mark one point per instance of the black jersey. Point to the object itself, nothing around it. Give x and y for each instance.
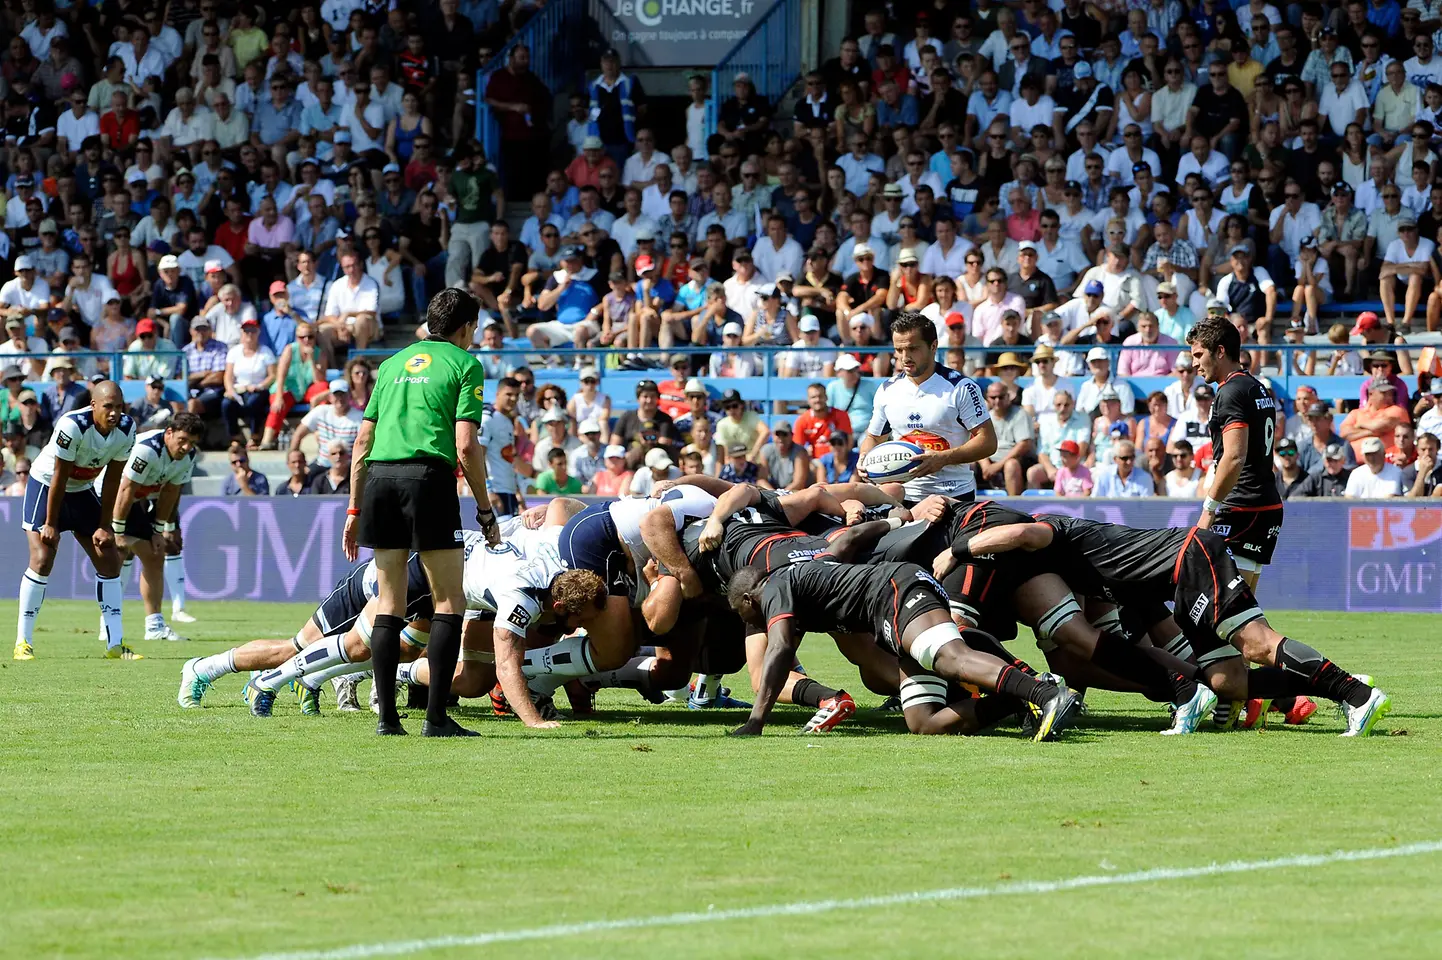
(973, 518)
(825, 597)
(1110, 560)
(828, 525)
(760, 535)
(1242, 401)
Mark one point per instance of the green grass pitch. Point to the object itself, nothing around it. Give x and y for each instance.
(132, 828)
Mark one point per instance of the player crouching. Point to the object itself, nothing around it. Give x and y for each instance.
(907, 613)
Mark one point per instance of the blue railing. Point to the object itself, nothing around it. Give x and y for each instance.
(556, 37)
(770, 52)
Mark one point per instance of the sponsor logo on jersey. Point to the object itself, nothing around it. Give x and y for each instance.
(1222, 529)
(418, 363)
(926, 440)
(460, 535)
(1235, 582)
(138, 464)
(1198, 609)
(479, 393)
(62, 440)
(519, 618)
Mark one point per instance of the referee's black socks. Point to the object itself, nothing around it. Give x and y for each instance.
(442, 651)
(385, 657)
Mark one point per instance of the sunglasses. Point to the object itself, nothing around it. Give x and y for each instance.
(1121, 459)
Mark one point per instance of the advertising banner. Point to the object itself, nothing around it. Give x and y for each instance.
(679, 33)
(1333, 554)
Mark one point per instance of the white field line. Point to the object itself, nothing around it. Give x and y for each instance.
(397, 948)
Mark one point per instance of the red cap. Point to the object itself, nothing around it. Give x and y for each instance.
(145, 326)
(1366, 321)
(644, 263)
(277, 287)
(250, 322)
(1068, 446)
(955, 319)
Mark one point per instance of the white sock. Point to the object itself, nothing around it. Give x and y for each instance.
(708, 685)
(127, 566)
(315, 680)
(32, 595)
(154, 622)
(405, 670)
(546, 670)
(175, 581)
(216, 666)
(324, 653)
(108, 592)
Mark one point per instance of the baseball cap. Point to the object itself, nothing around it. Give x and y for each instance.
(615, 450)
(391, 168)
(1341, 186)
(341, 136)
(169, 262)
(589, 426)
(1216, 306)
(1436, 388)
(1068, 446)
(658, 459)
(782, 427)
(731, 396)
(1109, 392)
(572, 252)
(14, 322)
(155, 381)
(1372, 445)
(847, 362)
(48, 226)
(862, 250)
(955, 319)
(1380, 384)
(144, 326)
(645, 233)
(1141, 165)
(695, 386)
(1097, 353)
(24, 180)
(200, 321)
(1166, 286)
(1081, 70)
(1184, 361)
(1287, 445)
(158, 246)
(592, 143)
(1318, 409)
(68, 333)
(809, 324)
(862, 318)
(213, 266)
(1366, 320)
(1240, 249)
(732, 329)
(97, 378)
(645, 264)
(136, 176)
(617, 276)
(590, 373)
(1026, 245)
(23, 262)
(249, 322)
(736, 450)
(785, 277)
(1203, 391)
(555, 415)
(11, 372)
(1406, 218)
(1094, 288)
(646, 386)
(278, 286)
(1050, 317)
(1335, 451)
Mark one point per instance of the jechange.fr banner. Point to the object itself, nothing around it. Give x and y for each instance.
(1379, 556)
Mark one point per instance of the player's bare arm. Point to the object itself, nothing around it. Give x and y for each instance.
(1003, 539)
(658, 532)
(510, 651)
(1226, 471)
(358, 469)
(781, 646)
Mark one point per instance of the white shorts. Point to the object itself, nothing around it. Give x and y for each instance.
(559, 334)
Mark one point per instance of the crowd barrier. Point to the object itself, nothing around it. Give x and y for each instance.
(285, 549)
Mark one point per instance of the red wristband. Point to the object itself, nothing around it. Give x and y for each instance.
(352, 512)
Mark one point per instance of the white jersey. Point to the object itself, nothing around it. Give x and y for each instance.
(150, 466)
(938, 414)
(78, 442)
(513, 585)
(686, 503)
(498, 436)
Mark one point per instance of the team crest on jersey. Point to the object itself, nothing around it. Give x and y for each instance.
(925, 439)
(418, 363)
(62, 440)
(519, 618)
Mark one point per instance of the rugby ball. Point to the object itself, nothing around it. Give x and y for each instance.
(890, 462)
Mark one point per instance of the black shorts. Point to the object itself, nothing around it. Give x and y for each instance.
(410, 505)
(1251, 532)
(510, 504)
(968, 497)
(723, 647)
(982, 592)
(140, 522)
(1138, 618)
(339, 611)
(1212, 600)
(914, 597)
(79, 510)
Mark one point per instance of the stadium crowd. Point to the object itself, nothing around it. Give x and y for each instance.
(247, 195)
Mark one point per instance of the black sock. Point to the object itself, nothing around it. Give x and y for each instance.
(1014, 683)
(1325, 677)
(442, 650)
(1268, 683)
(983, 642)
(1123, 658)
(385, 656)
(809, 693)
(994, 708)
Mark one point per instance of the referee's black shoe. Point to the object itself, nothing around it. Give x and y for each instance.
(448, 729)
(384, 729)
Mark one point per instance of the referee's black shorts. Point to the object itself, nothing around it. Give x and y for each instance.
(410, 505)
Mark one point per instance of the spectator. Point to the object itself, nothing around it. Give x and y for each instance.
(587, 459)
(249, 373)
(1090, 395)
(816, 424)
(243, 481)
(478, 201)
(697, 409)
(173, 300)
(336, 478)
(65, 393)
(154, 409)
(351, 315)
(86, 292)
(1430, 419)
(19, 343)
(788, 467)
(1039, 397)
(1409, 259)
(151, 357)
(848, 393)
(1424, 477)
(1157, 423)
(206, 360)
(657, 467)
(229, 314)
(806, 360)
(1376, 478)
(739, 469)
(1120, 478)
(298, 480)
(1183, 479)
(1378, 418)
(571, 292)
(1145, 363)
(740, 426)
(838, 463)
(1015, 443)
(555, 425)
(1290, 474)
(1071, 478)
(615, 479)
(648, 426)
(555, 479)
(21, 473)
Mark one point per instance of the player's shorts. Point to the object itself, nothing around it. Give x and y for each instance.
(410, 505)
(140, 522)
(1138, 618)
(337, 613)
(1251, 533)
(982, 593)
(79, 511)
(908, 501)
(723, 647)
(1212, 600)
(510, 505)
(589, 542)
(784, 550)
(916, 592)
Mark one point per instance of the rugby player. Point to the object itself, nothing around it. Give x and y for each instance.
(1214, 607)
(906, 612)
(147, 508)
(1242, 503)
(60, 496)
(939, 409)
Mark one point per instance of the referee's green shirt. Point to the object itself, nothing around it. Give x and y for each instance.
(419, 395)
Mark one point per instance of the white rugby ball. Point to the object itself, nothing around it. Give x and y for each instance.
(890, 462)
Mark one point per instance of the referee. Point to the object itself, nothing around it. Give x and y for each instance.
(421, 420)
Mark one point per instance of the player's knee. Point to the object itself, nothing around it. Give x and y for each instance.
(1227, 678)
(1063, 624)
(921, 698)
